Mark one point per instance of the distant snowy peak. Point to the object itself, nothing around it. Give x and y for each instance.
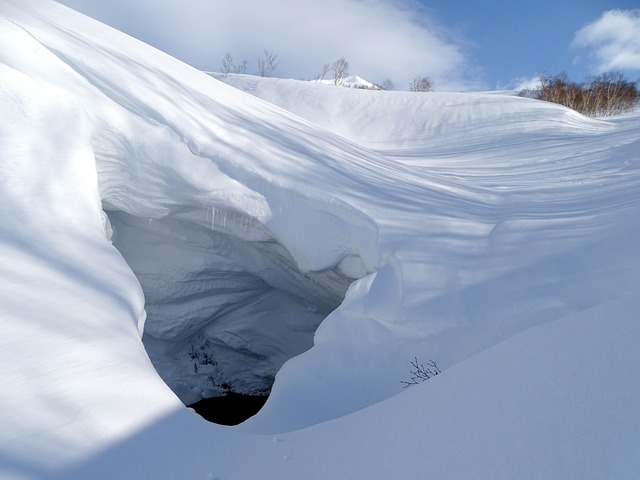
(351, 81)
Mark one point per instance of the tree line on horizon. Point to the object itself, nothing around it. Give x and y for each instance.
(600, 95)
(339, 70)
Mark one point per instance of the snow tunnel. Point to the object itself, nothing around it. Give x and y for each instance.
(226, 304)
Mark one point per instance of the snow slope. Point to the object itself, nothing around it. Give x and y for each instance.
(494, 234)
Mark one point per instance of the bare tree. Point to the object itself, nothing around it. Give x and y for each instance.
(616, 94)
(229, 66)
(340, 70)
(326, 68)
(601, 95)
(386, 84)
(421, 84)
(420, 373)
(268, 64)
(241, 67)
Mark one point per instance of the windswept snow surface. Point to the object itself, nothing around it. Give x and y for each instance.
(493, 234)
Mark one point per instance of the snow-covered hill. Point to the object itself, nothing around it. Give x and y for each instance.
(493, 234)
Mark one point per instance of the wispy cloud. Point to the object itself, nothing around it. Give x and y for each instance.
(612, 42)
(394, 39)
(521, 83)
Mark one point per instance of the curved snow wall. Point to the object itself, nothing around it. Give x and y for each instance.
(223, 313)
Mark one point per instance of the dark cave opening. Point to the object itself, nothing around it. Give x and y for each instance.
(230, 409)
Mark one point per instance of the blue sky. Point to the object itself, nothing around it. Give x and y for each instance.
(512, 39)
(461, 45)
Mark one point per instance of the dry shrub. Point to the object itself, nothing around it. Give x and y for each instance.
(601, 95)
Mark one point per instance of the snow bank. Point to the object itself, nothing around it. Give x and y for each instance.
(555, 401)
(70, 309)
(417, 125)
(198, 170)
(191, 174)
(508, 217)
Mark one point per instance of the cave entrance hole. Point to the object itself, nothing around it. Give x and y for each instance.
(230, 409)
(226, 307)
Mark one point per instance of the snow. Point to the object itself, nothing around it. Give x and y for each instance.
(349, 81)
(493, 234)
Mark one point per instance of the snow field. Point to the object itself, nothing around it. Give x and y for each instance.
(493, 234)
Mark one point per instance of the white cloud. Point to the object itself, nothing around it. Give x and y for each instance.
(521, 83)
(380, 38)
(612, 42)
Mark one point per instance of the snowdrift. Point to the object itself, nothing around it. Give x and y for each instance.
(143, 199)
